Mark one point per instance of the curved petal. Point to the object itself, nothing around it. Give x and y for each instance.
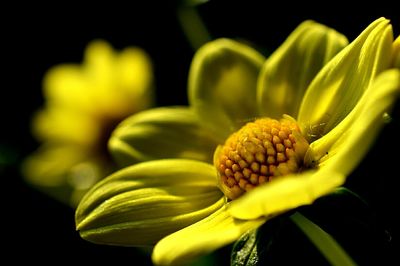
(215, 231)
(343, 147)
(287, 73)
(139, 205)
(172, 132)
(222, 85)
(396, 53)
(339, 85)
(285, 193)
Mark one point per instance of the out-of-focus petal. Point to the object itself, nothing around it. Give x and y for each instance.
(65, 125)
(48, 165)
(66, 86)
(134, 75)
(65, 172)
(121, 82)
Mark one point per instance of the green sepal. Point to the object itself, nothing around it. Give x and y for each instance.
(354, 223)
(252, 247)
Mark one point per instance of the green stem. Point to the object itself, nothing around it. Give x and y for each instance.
(325, 243)
(193, 26)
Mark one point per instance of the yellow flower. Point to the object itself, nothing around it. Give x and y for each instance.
(299, 122)
(83, 104)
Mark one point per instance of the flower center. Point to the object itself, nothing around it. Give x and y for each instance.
(259, 152)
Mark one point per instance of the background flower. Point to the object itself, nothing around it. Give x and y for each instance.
(83, 105)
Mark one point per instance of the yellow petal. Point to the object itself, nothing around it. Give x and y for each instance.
(121, 82)
(343, 147)
(213, 232)
(222, 85)
(134, 74)
(66, 125)
(98, 64)
(172, 132)
(79, 86)
(66, 86)
(339, 85)
(289, 70)
(285, 193)
(139, 205)
(396, 52)
(107, 84)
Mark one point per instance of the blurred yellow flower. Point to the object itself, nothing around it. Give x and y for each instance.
(83, 103)
(261, 137)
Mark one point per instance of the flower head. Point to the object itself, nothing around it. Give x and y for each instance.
(261, 137)
(83, 104)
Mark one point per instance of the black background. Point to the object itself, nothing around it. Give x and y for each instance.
(35, 38)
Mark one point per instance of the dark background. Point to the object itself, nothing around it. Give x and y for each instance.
(39, 229)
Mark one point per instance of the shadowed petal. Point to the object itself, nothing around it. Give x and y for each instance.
(222, 85)
(172, 132)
